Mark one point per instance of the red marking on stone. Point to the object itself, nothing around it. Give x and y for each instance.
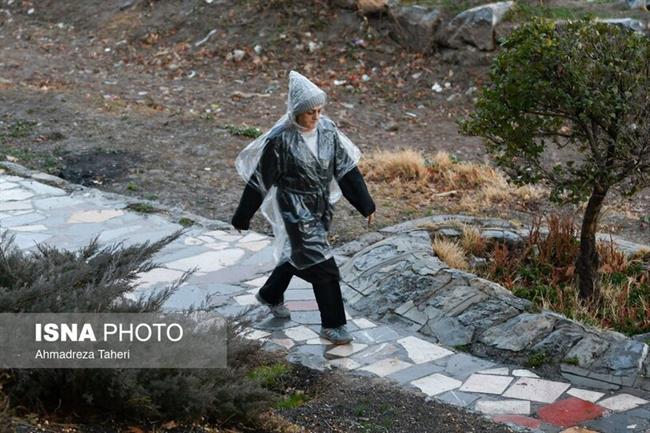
(302, 305)
(518, 419)
(569, 412)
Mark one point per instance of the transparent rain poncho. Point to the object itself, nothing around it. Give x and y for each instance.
(299, 188)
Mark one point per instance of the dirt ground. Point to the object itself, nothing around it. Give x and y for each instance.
(337, 403)
(142, 97)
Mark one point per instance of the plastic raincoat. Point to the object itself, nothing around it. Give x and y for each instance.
(295, 188)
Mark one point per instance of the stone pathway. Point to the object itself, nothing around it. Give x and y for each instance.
(231, 268)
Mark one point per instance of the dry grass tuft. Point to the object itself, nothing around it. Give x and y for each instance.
(472, 241)
(611, 258)
(442, 161)
(472, 176)
(450, 252)
(405, 177)
(404, 165)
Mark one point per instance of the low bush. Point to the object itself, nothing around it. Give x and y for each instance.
(96, 279)
(542, 269)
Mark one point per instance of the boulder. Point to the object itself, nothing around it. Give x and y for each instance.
(415, 26)
(475, 27)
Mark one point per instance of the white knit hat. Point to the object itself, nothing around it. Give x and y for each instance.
(303, 94)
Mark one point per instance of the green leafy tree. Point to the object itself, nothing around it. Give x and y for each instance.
(569, 105)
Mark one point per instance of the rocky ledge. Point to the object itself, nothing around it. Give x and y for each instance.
(395, 276)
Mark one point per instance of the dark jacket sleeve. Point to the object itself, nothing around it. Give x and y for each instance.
(356, 192)
(266, 172)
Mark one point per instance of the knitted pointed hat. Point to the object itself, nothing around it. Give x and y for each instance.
(303, 94)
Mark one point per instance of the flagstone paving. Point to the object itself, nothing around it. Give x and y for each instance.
(231, 266)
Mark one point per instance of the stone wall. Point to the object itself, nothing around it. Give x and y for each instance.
(400, 278)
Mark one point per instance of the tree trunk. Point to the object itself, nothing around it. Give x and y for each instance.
(587, 263)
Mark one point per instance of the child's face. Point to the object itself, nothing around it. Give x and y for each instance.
(309, 119)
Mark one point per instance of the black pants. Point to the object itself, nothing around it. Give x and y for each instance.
(324, 277)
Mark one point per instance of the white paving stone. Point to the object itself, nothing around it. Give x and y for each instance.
(299, 283)
(255, 334)
(41, 188)
(436, 384)
(584, 394)
(344, 363)
(363, 323)
(386, 366)
(422, 351)
(30, 228)
(7, 185)
(192, 241)
(217, 245)
(56, 202)
(246, 300)
(14, 213)
(319, 340)
(223, 235)
(300, 333)
(108, 235)
(94, 216)
(15, 205)
(503, 407)
(622, 402)
(257, 282)
(486, 384)
(23, 219)
(254, 246)
(500, 371)
(287, 343)
(540, 390)
(209, 261)
(253, 237)
(346, 349)
(158, 275)
(16, 194)
(524, 373)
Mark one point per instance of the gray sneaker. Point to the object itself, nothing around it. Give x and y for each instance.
(279, 310)
(338, 335)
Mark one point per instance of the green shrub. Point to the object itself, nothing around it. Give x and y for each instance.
(244, 131)
(186, 222)
(142, 207)
(96, 279)
(536, 360)
(567, 105)
(291, 401)
(269, 375)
